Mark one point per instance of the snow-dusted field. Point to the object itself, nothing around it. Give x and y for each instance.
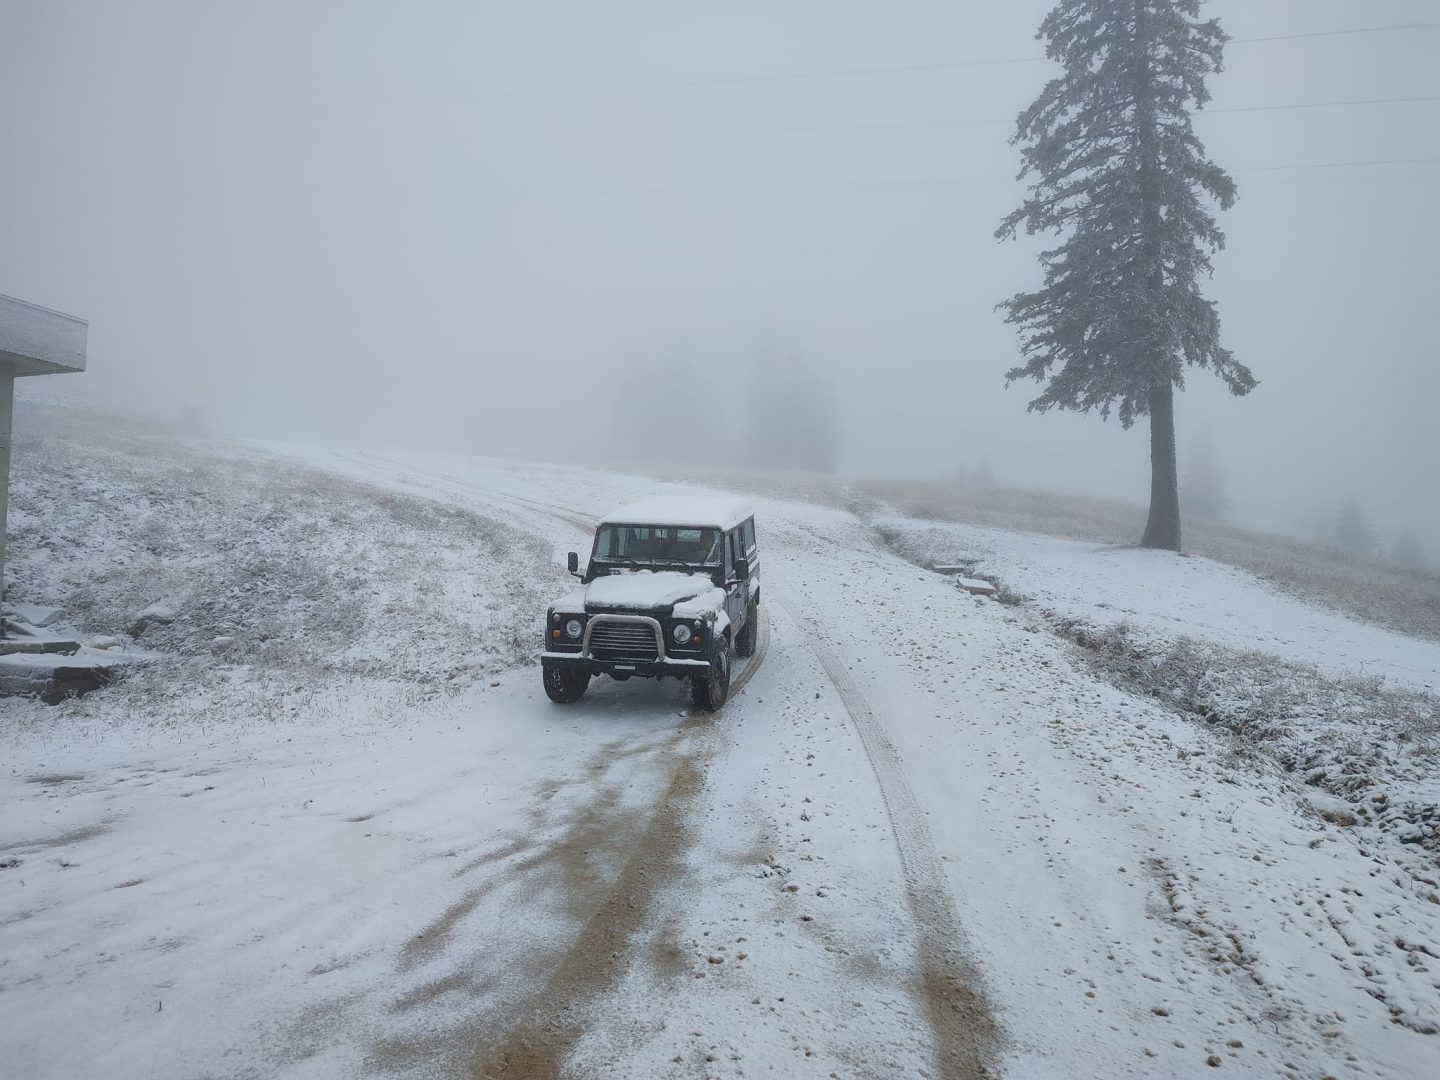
(1155, 593)
(925, 838)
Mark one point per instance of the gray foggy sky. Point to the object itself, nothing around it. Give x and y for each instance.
(455, 225)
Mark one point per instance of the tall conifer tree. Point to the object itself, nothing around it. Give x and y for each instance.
(1119, 173)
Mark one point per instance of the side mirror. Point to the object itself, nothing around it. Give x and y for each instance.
(742, 568)
(572, 562)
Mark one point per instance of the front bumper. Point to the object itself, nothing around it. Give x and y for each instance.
(670, 666)
(599, 637)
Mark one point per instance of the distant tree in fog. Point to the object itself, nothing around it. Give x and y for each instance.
(1204, 486)
(791, 420)
(192, 418)
(1352, 530)
(650, 399)
(977, 476)
(1407, 553)
(1121, 175)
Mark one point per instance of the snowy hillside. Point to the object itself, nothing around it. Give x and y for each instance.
(282, 568)
(1373, 591)
(1145, 817)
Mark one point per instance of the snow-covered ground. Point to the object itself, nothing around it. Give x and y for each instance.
(1155, 593)
(925, 838)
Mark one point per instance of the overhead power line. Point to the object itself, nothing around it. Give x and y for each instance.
(835, 73)
(942, 65)
(1341, 165)
(920, 125)
(857, 185)
(1321, 104)
(1338, 33)
(861, 185)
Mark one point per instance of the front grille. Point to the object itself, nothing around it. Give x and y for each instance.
(626, 642)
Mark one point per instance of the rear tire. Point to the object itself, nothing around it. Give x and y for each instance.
(565, 684)
(745, 642)
(710, 691)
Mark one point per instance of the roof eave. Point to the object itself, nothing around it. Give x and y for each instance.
(37, 341)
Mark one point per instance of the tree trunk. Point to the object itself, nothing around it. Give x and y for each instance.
(1163, 528)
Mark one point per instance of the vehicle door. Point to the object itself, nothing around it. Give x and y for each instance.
(752, 556)
(737, 589)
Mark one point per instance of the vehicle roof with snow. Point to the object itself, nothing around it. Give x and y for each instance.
(698, 511)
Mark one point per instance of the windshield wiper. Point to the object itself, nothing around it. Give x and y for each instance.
(619, 559)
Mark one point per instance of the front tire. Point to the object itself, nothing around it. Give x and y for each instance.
(745, 641)
(565, 684)
(710, 691)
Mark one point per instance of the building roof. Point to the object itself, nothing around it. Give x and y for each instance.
(698, 511)
(38, 341)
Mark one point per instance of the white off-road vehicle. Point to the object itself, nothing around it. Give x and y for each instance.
(672, 586)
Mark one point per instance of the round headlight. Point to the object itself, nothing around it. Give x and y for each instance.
(681, 633)
(573, 628)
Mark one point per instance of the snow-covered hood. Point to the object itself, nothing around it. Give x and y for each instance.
(646, 590)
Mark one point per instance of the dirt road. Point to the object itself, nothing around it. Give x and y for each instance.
(947, 991)
(927, 838)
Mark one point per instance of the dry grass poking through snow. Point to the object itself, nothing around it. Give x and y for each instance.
(1372, 745)
(1407, 601)
(1366, 749)
(272, 566)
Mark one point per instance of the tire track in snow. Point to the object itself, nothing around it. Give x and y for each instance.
(762, 646)
(442, 488)
(966, 1034)
(539, 1043)
(964, 1028)
(570, 515)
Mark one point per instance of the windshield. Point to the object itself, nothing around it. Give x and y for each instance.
(655, 545)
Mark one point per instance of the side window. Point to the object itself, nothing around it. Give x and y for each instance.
(749, 530)
(737, 546)
(729, 555)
